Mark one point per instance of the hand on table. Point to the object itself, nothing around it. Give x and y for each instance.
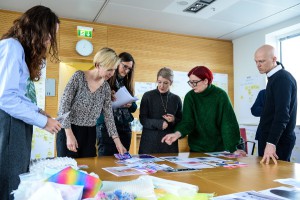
(240, 152)
(121, 149)
(270, 153)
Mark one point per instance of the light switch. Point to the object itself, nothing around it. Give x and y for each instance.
(50, 87)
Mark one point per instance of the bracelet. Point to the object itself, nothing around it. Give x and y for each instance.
(115, 138)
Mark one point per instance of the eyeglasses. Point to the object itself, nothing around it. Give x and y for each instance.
(126, 67)
(194, 83)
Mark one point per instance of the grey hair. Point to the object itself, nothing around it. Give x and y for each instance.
(166, 73)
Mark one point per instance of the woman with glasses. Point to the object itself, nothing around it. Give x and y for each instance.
(85, 96)
(123, 76)
(160, 111)
(208, 117)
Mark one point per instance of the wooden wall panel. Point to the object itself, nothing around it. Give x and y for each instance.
(7, 19)
(151, 50)
(68, 38)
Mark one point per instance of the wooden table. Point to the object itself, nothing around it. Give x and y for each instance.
(218, 180)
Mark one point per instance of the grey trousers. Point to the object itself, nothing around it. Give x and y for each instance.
(15, 149)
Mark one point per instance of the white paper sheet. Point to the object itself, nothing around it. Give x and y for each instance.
(123, 97)
(62, 118)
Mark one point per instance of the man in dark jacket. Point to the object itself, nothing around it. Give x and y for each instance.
(258, 107)
(278, 118)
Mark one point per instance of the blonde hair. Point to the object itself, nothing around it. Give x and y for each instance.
(107, 58)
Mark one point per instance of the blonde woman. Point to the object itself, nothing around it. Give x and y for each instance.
(160, 111)
(123, 76)
(85, 96)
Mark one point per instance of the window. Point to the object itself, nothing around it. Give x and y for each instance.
(289, 53)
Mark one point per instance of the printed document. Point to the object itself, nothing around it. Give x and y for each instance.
(123, 97)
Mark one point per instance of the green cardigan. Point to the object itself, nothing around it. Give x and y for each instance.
(209, 120)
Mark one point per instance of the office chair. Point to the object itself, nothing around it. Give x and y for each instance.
(244, 143)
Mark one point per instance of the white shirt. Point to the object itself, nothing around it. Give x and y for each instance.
(274, 70)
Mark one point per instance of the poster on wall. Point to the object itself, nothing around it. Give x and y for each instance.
(248, 89)
(180, 86)
(140, 88)
(42, 145)
(221, 81)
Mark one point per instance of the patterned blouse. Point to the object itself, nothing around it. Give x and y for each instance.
(86, 106)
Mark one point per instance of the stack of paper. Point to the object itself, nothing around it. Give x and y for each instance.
(123, 97)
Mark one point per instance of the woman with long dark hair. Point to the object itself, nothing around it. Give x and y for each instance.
(123, 76)
(23, 50)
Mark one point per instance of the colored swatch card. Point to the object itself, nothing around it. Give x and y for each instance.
(226, 163)
(71, 176)
(123, 171)
(181, 170)
(122, 157)
(152, 166)
(204, 159)
(172, 158)
(147, 158)
(193, 164)
(253, 195)
(225, 154)
(127, 161)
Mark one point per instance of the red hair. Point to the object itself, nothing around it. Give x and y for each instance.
(202, 72)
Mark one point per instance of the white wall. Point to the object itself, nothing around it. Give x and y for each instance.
(244, 66)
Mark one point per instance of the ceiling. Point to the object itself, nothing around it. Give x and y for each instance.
(222, 19)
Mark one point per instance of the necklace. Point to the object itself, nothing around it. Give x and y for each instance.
(162, 101)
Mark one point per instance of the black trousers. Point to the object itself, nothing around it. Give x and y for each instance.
(15, 149)
(284, 147)
(106, 145)
(86, 139)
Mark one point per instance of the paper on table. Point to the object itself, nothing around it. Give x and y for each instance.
(123, 97)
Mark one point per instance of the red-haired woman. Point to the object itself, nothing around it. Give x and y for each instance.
(208, 116)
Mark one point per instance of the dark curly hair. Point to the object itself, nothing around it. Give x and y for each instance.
(32, 29)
